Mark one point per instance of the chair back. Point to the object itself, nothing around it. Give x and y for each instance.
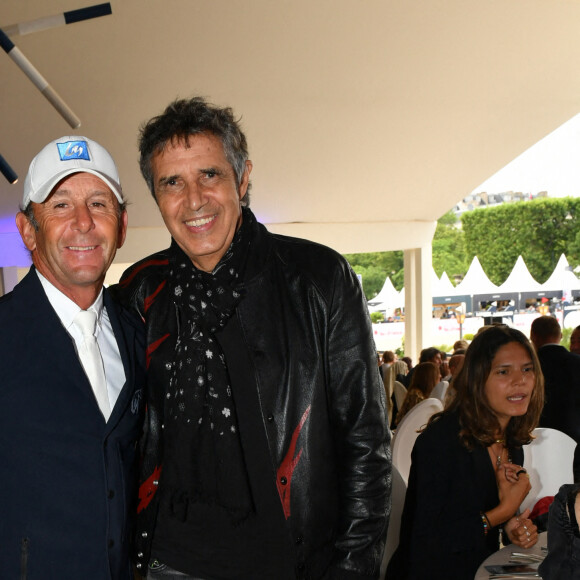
(398, 493)
(400, 393)
(548, 460)
(408, 431)
(439, 391)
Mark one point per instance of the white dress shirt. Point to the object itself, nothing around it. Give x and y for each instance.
(66, 310)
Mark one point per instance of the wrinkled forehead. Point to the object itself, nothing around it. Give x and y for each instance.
(82, 183)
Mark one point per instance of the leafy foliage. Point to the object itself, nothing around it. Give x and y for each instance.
(539, 230)
(448, 256)
(374, 267)
(448, 247)
(566, 334)
(377, 317)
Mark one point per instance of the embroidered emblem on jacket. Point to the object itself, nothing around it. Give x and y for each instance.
(136, 401)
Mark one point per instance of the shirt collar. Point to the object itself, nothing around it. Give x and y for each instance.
(65, 308)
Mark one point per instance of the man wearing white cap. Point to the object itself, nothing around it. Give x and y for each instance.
(73, 367)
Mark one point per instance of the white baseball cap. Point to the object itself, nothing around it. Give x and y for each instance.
(65, 156)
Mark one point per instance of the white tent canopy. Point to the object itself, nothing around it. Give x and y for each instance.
(520, 279)
(562, 278)
(387, 299)
(475, 281)
(442, 286)
(387, 294)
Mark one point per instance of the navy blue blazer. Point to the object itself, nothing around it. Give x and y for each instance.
(67, 477)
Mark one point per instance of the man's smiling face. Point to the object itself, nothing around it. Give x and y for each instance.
(80, 227)
(199, 199)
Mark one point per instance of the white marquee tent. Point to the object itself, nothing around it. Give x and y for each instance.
(477, 287)
(475, 281)
(562, 279)
(520, 279)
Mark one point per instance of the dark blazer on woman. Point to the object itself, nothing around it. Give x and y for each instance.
(442, 534)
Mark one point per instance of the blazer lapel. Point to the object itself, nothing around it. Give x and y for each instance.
(52, 341)
(125, 337)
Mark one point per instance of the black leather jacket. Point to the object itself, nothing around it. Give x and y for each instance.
(563, 559)
(309, 336)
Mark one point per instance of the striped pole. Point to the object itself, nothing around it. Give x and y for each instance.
(58, 20)
(7, 171)
(38, 80)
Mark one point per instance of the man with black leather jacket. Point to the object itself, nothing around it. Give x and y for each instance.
(266, 448)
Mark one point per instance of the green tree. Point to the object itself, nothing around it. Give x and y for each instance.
(538, 230)
(377, 317)
(448, 256)
(374, 267)
(449, 248)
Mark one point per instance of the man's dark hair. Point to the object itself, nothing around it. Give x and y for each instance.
(546, 327)
(184, 118)
(428, 354)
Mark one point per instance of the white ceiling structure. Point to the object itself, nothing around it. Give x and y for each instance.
(366, 119)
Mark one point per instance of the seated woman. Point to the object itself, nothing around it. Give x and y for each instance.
(466, 479)
(400, 370)
(394, 373)
(425, 377)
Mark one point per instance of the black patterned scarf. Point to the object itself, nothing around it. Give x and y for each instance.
(204, 461)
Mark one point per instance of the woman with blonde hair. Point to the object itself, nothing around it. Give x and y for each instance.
(397, 370)
(466, 479)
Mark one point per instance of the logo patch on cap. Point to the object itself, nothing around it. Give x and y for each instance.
(73, 150)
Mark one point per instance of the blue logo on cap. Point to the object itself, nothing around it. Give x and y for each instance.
(73, 150)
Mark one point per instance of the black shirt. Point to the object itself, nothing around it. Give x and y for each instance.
(208, 545)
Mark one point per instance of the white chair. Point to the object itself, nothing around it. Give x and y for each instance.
(439, 391)
(548, 460)
(408, 431)
(400, 393)
(398, 493)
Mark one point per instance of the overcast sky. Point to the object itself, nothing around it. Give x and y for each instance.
(552, 165)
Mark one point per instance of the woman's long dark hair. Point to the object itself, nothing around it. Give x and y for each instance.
(425, 377)
(478, 421)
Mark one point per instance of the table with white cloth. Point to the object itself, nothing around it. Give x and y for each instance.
(503, 556)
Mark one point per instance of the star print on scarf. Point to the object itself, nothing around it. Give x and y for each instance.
(204, 460)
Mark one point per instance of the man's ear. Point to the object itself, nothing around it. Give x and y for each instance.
(123, 221)
(27, 231)
(243, 189)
